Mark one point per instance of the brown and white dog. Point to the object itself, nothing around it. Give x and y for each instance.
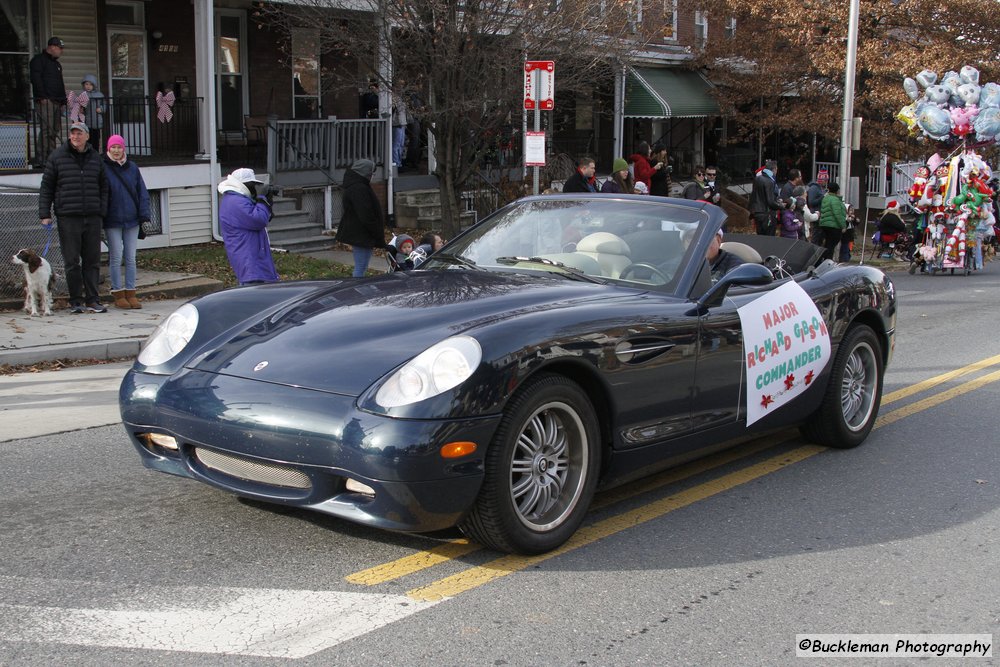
(39, 281)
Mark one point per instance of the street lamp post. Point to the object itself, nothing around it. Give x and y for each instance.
(848, 117)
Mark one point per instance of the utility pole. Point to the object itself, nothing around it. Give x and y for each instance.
(848, 117)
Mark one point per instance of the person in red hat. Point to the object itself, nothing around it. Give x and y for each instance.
(890, 222)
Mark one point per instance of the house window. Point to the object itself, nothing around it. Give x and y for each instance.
(124, 13)
(15, 84)
(670, 20)
(230, 68)
(305, 73)
(731, 27)
(700, 28)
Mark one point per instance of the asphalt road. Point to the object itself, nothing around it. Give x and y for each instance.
(723, 561)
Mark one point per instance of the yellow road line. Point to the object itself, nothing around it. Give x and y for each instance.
(413, 563)
(939, 379)
(936, 399)
(501, 567)
(458, 548)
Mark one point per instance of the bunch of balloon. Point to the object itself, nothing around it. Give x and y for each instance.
(951, 194)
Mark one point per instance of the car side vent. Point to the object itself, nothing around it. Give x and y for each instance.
(642, 350)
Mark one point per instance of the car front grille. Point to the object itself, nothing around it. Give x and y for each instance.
(252, 469)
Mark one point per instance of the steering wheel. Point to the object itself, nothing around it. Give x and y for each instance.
(652, 270)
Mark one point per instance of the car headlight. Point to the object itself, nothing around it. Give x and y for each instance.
(170, 337)
(435, 370)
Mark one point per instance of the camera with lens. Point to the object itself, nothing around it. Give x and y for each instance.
(268, 192)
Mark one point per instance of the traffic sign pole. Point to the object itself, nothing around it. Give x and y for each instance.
(539, 93)
(538, 126)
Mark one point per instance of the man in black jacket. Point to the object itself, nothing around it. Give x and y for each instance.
(582, 180)
(50, 97)
(74, 181)
(764, 202)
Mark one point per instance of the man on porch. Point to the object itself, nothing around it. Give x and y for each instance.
(50, 97)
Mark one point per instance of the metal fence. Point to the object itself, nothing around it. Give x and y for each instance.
(325, 145)
(20, 228)
(154, 131)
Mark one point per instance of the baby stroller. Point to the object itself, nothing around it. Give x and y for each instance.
(398, 258)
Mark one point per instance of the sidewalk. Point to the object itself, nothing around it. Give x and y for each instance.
(116, 333)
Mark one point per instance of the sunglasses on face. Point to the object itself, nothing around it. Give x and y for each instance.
(711, 174)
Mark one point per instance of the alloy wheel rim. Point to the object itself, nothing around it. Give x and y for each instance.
(548, 467)
(857, 394)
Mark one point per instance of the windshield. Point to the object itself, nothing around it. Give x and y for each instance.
(643, 241)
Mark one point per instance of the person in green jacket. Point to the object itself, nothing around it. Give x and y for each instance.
(832, 219)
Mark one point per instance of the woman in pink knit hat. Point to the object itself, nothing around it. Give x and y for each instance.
(128, 208)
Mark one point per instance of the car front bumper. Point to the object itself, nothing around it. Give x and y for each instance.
(300, 447)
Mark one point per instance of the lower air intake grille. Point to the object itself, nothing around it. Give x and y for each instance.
(253, 470)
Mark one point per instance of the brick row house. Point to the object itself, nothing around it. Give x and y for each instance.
(230, 76)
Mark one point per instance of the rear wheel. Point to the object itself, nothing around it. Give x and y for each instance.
(541, 470)
(853, 395)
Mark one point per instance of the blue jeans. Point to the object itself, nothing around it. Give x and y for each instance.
(398, 143)
(362, 256)
(122, 241)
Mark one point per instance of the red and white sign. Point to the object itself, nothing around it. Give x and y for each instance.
(787, 346)
(534, 149)
(544, 73)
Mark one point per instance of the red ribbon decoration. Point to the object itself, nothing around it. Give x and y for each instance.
(76, 102)
(163, 103)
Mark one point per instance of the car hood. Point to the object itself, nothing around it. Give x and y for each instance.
(343, 337)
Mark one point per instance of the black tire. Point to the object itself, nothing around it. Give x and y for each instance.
(853, 395)
(541, 470)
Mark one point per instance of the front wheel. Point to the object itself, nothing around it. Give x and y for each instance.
(541, 470)
(853, 395)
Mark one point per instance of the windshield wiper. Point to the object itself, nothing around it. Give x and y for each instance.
(457, 259)
(572, 270)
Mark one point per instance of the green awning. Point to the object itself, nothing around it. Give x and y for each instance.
(659, 92)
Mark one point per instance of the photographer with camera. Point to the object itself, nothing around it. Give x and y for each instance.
(244, 213)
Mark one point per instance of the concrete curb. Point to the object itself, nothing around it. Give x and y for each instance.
(114, 349)
(176, 289)
(118, 341)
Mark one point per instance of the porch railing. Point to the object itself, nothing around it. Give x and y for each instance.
(151, 135)
(324, 145)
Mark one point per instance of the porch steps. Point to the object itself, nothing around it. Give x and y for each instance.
(294, 230)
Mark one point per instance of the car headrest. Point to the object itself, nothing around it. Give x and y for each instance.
(603, 242)
(743, 251)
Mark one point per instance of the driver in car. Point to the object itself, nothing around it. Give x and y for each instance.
(720, 261)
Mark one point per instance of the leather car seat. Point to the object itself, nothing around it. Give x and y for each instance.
(610, 251)
(743, 251)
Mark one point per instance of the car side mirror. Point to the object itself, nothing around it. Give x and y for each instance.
(744, 274)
